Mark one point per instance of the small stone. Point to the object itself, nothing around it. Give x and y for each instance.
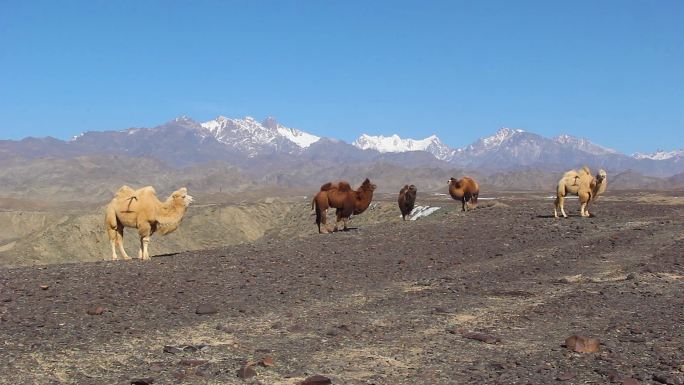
(172, 349)
(225, 329)
(44, 287)
(581, 344)
(246, 372)
(316, 380)
(206, 309)
(96, 310)
(486, 338)
(192, 363)
(566, 376)
(180, 375)
(629, 381)
(190, 349)
(156, 367)
(266, 361)
(142, 381)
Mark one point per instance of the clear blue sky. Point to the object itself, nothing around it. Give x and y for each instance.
(611, 71)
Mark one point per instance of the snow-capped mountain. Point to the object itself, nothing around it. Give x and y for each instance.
(394, 143)
(494, 142)
(660, 155)
(269, 145)
(254, 138)
(583, 145)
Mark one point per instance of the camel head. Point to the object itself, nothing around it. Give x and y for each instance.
(453, 182)
(412, 188)
(180, 197)
(601, 176)
(368, 186)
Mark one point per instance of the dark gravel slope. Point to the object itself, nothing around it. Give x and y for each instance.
(386, 304)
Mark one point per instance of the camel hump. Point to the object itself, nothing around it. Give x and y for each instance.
(585, 170)
(344, 186)
(124, 191)
(327, 186)
(570, 174)
(147, 190)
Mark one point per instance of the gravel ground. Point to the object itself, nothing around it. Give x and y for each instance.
(393, 303)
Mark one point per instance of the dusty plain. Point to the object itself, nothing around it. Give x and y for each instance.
(388, 302)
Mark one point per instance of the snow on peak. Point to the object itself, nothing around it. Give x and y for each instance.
(395, 143)
(583, 144)
(500, 136)
(660, 154)
(249, 135)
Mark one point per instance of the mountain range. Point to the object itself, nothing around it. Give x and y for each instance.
(247, 142)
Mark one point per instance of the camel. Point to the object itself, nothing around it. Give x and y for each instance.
(341, 196)
(464, 190)
(582, 184)
(142, 210)
(407, 199)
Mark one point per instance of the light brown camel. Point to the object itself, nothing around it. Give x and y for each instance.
(341, 196)
(407, 199)
(582, 184)
(142, 210)
(464, 190)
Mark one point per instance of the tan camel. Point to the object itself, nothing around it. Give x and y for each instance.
(464, 190)
(582, 184)
(341, 196)
(142, 210)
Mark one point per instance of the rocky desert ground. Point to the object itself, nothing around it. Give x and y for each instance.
(483, 297)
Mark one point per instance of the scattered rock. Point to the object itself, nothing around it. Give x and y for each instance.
(316, 380)
(440, 310)
(566, 376)
(142, 381)
(225, 328)
(206, 309)
(192, 363)
(246, 371)
(581, 344)
(172, 349)
(486, 338)
(266, 361)
(96, 310)
(44, 287)
(629, 381)
(156, 367)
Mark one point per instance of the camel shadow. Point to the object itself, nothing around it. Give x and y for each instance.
(347, 229)
(165, 255)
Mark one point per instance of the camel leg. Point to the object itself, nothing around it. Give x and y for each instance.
(584, 201)
(344, 221)
(561, 201)
(463, 203)
(338, 218)
(324, 223)
(144, 230)
(119, 242)
(143, 247)
(555, 207)
(111, 234)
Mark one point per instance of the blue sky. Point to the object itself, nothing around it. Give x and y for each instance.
(611, 71)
